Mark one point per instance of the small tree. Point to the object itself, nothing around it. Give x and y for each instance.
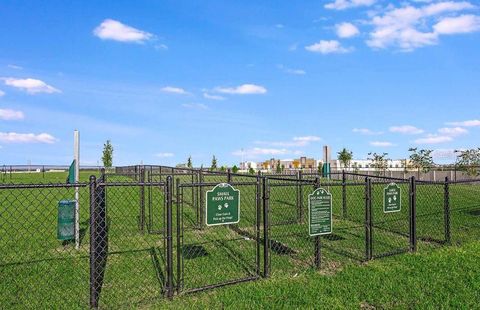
(379, 162)
(251, 170)
(278, 169)
(421, 160)
(283, 168)
(223, 168)
(234, 169)
(469, 161)
(319, 168)
(214, 163)
(107, 157)
(345, 157)
(189, 162)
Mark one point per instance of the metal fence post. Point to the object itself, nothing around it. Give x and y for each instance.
(141, 180)
(179, 236)
(446, 206)
(368, 219)
(200, 201)
(168, 191)
(229, 176)
(258, 219)
(299, 196)
(266, 240)
(344, 194)
(413, 214)
(318, 244)
(93, 243)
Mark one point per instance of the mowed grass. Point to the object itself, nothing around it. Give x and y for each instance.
(42, 272)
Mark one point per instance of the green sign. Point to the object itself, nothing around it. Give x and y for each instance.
(392, 198)
(223, 205)
(320, 212)
(66, 220)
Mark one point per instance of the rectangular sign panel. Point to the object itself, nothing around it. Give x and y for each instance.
(392, 198)
(222, 205)
(320, 212)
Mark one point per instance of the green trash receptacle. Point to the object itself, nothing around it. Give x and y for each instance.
(66, 220)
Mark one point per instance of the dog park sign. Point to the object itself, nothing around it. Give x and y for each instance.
(222, 205)
(319, 212)
(392, 198)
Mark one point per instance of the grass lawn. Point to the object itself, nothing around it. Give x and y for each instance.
(41, 272)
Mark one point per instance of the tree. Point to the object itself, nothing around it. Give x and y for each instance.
(107, 157)
(469, 161)
(223, 168)
(189, 162)
(279, 167)
(421, 160)
(345, 157)
(214, 163)
(379, 162)
(319, 168)
(251, 170)
(234, 169)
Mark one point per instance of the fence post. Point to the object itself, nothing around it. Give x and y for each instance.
(141, 180)
(344, 194)
(299, 196)
(168, 191)
(266, 227)
(93, 243)
(179, 235)
(229, 176)
(258, 218)
(318, 244)
(200, 201)
(368, 219)
(446, 206)
(413, 214)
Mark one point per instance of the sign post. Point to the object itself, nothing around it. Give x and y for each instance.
(222, 205)
(392, 198)
(319, 212)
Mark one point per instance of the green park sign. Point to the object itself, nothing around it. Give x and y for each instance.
(222, 205)
(392, 198)
(319, 212)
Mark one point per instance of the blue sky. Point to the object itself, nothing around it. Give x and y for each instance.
(239, 79)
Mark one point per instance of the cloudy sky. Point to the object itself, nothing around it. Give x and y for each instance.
(239, 79)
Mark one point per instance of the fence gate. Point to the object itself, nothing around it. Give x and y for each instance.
(209, 256)
(389, 212)
(128, 241)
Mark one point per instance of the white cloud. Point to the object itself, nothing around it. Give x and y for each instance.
(459, 24)
(13, 137)
(408, 27)
(213, 97)
(347, 4)
(31, 86)
(346, 30)
(10, 115)
(159, 47)
(434, 139)
(296, 141)
(469, 123)
(245, 89)
(2, 93)
(164, 155)
(406, 129)
(327, 47)
(14, 67)
(174, 90)
(452, 131)
(198, 106)
(291, 71)
(381, 143)
(366, 131)
(111, 29)
(256, 151)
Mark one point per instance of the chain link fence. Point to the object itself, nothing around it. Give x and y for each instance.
(143, 232)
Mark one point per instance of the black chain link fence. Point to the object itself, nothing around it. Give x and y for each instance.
(143, 232)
